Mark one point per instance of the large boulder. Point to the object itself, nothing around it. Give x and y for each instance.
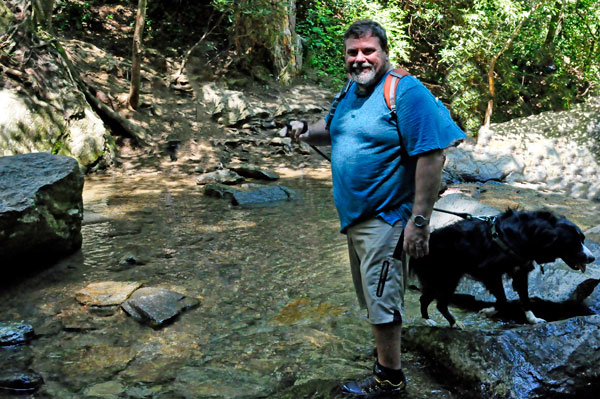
(548, 360)
(41, 207)
(46, 126)
(554, 151)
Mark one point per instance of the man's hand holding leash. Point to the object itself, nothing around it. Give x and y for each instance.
(297, 130)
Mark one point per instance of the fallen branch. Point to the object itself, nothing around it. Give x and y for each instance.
(102, 109)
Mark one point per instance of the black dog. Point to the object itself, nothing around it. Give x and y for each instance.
(488, 248)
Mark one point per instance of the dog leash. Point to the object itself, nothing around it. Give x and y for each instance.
(491, 220)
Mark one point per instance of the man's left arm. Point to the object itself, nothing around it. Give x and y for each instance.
(428, 177)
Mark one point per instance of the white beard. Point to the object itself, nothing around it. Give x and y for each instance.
(363, 77)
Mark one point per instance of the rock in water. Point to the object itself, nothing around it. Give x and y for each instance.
(18, 382)
(548, 360)
(157, 306)
(15, 333)
(41, 207)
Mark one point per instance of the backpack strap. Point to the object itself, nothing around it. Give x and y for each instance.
(390, 85)
(336, 100)
(389, 92)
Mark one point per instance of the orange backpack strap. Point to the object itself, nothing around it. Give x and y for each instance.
(390, 85)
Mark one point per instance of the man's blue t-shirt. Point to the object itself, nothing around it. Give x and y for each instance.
(373, 166)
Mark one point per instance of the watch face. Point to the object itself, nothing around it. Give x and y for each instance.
(420, 221)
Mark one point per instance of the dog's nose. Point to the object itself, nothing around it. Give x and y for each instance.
(589, 255)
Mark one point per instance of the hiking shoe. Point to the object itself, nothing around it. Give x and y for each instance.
(374, 386)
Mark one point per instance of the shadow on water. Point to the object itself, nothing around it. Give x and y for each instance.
(278, 316)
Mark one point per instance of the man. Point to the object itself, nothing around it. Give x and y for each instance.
(386, 176)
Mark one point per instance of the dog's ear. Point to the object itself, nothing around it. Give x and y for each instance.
(543, 226)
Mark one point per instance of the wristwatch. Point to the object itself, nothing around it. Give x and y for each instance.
(419, 220)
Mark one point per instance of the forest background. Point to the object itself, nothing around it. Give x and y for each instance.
(489, 60)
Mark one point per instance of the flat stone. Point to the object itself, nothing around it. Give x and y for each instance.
(262, 195)
(157, 306)
(106, 293)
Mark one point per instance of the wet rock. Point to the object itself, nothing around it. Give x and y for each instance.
(255, 172)
(15, 333)
(127, 262)
(547, 360)
(157, 306)
(19, 382)
(593, 301)
(262, 196)
(221, 176)
(251, 195)
(219, 191)
(40, 208)
(106, 293)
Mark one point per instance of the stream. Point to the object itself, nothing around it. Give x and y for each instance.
(277, 315)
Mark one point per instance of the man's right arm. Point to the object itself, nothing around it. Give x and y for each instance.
(316, 134)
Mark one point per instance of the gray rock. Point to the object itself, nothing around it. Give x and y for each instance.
(547, 360)
(66, 122)
(221, 176)
(41, 207)
(262, 196)
(15, 333)
(554, 151)
(19, 382)
(157, 306)
(251, 195)
(219, 190)
(255, 172)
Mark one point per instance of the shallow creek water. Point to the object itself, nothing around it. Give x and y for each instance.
(278, 316)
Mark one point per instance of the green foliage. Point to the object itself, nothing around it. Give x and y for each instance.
(322, 23)
(552, 59)
(72, 14)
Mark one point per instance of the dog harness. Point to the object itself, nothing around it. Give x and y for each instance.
(495, 233)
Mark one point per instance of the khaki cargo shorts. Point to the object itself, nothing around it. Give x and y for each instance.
(379, 279)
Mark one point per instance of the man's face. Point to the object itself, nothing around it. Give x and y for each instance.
(366, 61)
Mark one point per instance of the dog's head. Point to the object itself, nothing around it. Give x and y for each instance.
(562, 239)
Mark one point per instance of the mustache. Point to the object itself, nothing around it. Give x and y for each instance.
(365, 64)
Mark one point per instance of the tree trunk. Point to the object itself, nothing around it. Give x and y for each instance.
(134, 90)
(42, 13)
(286, 47)
(266, 30)
(494, 60)
(555, 25)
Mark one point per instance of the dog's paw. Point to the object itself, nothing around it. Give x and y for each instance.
(531, 319)
(489, 312)
(430, 322)
(458, 325)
